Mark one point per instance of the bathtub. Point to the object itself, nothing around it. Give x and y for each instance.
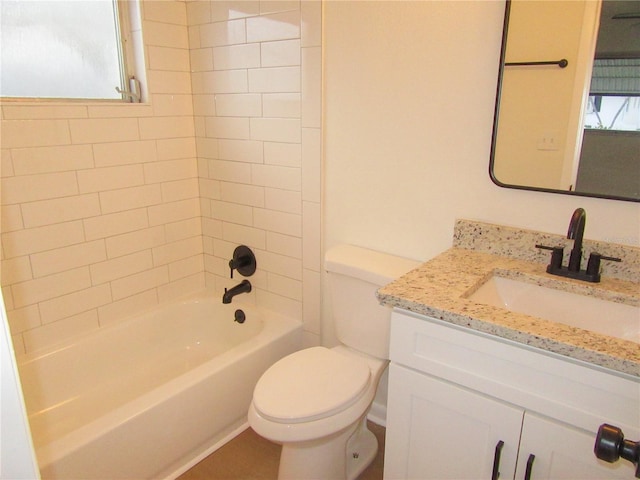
(152, 395)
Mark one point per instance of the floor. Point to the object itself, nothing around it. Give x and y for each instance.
(250, 457)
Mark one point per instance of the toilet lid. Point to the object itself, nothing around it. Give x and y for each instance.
(310, 384)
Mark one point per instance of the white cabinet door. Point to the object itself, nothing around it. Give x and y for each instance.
(436, 430)
(563, 452)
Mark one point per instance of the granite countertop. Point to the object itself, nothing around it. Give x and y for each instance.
(438, 289)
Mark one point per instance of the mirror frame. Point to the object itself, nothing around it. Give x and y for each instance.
(494, 135)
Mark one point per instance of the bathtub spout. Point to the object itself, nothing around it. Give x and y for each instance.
(242, 287)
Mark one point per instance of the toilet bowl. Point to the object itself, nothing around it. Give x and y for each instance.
(315, 401)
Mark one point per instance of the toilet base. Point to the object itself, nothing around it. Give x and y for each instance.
(343, 455)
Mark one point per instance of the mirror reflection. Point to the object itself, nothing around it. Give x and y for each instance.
(568, 104)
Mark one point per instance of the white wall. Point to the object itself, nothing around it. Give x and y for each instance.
(409, 94)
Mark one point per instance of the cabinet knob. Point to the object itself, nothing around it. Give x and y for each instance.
(611, 445)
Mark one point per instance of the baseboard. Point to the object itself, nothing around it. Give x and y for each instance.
(378, 414)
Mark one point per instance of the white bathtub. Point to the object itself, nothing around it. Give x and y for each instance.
(150, 396)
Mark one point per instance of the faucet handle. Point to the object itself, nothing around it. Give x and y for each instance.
(593, 265)
(557, 253)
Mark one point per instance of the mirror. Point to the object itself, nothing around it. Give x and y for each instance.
(567, 116)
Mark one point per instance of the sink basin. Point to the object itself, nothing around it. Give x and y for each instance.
(589, 313)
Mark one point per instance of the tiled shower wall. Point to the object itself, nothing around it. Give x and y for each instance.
(102, 213)
(256, 90)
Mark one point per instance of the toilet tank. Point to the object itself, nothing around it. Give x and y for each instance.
(354, 274)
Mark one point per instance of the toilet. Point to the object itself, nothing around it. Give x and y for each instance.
(315, 401)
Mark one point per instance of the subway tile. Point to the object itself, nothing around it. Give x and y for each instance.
(31, 161)
(120, 110)
(232, 57)
(167, 82)
(124, 153)
(166, 12)
(201, 59)
(130, 198)
(51, 286)
(127, 243)
(280, 54)
(274, 6)
(231, 212)
(311, 303)
(67, 258)
(198, 12)
(11, 216)
(181, 287)
(249, 151)
(31, 188)
(239, 105)
(170, 59)
(232, 9)
(274, 80)
(110, 178)
(127, 307)
(283, 105)
(74, 303)
(100, 130)
(165, 35)
(212, 227)
(228, 127)
(58, 210)
(115, 224)
(238, 172)
(62, 330)
(287, 178)
(6, 162)
(243, 234)
(216, 34)
(120, 267)
(20, 133)
(242, 194)
(168, 170)
(16, 270)
(193, 34)
(284, 265)
(283, 200)
(311, 235)
(207, 148)
(166, 127)
(186, 267)
(32, 240)
(23, 319)
(174, 148)
(283, 154)
(165, 105)
(182, 229)
(311, 23)
(278, 26)
(312, 87)
(180, 190)
(284, 244)
(277, 303)
(173, 211)
(172, 252)
(311, 164)
(204, 105)
(209, 189)
(279, 222)
(140, 282)
(285, 286)
(42, 112)
(276, 129)
(223, 81)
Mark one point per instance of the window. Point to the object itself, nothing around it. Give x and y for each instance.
(68, 49)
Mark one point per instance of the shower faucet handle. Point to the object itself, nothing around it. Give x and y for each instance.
(244, 261)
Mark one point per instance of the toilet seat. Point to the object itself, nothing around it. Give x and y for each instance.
(309, 385)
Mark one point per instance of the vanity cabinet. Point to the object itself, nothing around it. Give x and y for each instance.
(465, 405)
